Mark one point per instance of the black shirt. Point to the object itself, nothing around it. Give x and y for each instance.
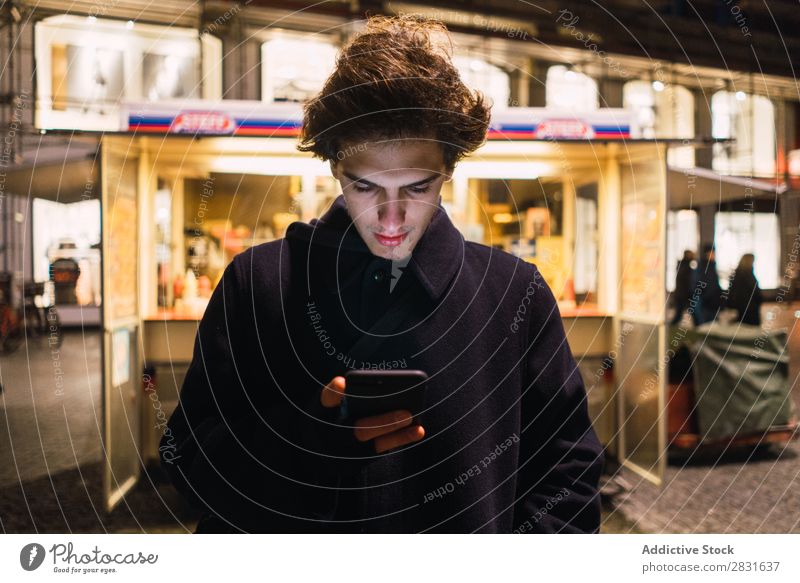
(381, 282)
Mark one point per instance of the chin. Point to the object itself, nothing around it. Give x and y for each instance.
(389, 253)
(394, 253)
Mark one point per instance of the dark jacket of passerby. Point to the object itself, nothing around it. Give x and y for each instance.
(508, 442)
(708, 290)
(745, 296)
(684, 279)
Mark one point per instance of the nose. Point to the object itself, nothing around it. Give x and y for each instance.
(392, 214)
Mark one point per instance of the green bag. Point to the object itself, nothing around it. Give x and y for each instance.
(741, 381)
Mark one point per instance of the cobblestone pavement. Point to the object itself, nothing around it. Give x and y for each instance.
(752, 491)
(50, 443)
(51, 471)
(50, 407)
(70, 501)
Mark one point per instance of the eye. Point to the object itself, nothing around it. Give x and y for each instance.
(360, 188)
(420, 189)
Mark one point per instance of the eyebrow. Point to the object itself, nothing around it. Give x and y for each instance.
(413, 184)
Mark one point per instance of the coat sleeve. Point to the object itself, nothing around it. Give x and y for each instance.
(561, 458)
(232, 445)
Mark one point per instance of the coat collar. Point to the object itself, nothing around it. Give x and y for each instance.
(434, 261)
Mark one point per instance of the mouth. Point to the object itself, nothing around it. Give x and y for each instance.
(390, 241)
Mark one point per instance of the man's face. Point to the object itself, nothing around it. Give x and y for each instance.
(392, 191)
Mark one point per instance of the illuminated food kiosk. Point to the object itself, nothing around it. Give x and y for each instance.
(192, 183)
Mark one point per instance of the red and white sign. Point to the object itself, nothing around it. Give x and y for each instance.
(564, 128)
(203, 122)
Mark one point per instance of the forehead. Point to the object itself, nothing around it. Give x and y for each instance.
(391, 158)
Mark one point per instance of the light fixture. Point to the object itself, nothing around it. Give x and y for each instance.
(570, 74)
(129, 24)
(502, 218)
(658, 86)
(91, 19)
(741, 95)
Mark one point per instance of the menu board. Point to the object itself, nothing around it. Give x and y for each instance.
(120, 220)
(642, 239)
(121, 359)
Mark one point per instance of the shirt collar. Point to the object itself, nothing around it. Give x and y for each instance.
(435, 259)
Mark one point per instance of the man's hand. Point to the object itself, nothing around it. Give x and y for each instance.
(389, 430)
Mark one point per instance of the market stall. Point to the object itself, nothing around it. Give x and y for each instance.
(202, 181)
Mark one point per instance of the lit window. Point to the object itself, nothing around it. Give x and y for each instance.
(750, 121)
(570, 90)
(737, 233)
(489, 79)
(663, 111)
(294, 69)
(85, 68)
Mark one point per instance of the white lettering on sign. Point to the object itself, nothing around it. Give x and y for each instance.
(202, 122)
(564, 128)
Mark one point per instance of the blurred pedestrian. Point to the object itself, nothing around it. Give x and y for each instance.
(707, 287)
(683, 286)
(745, 295)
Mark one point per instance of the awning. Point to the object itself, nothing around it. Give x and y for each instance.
(693, 187)
(63, 170)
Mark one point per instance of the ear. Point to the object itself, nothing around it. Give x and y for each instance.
(334, 169)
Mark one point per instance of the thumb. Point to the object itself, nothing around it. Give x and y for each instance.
(333, 393)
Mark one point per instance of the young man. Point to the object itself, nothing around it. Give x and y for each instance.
(383, 280)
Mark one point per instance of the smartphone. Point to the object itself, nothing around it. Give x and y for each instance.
(373, 392)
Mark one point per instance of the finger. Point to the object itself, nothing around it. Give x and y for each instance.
(333, 393)
(399, 438)
(368, 428)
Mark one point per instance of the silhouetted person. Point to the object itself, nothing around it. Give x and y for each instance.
(745, 295)
(64, 272)
(683, 287)
(707, 287)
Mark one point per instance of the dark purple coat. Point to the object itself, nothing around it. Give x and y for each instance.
(508, 446)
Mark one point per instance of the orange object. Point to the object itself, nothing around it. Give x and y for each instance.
(569, 291)
(177, 286)
(204, 287)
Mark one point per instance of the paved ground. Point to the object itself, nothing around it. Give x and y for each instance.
(71, 501)
(51, 470)
(735, 492)
(50, 408)
(50, 443)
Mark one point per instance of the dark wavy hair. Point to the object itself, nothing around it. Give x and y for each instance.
(396, 80)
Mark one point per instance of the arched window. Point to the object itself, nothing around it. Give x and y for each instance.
(491, 80)
(640, 97)
(663, 111)
(750, 121)
(570, 90)
(294, 68)
(737, 233)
